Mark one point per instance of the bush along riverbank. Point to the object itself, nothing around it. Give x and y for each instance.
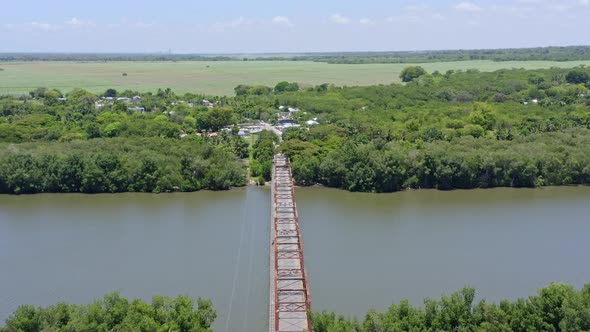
(116, 313)
(557, 307)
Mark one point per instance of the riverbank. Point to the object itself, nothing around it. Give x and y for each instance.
(254, 184)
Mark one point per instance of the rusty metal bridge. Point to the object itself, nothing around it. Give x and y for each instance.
(290, 302)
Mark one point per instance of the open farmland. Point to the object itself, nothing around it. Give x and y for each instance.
(217, 77)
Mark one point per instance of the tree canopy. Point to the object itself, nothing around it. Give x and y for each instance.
(557, 307)
(411, 73)
(577, 76)
(116, 313)
(286, 86)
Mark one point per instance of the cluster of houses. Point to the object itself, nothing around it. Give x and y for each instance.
(204, 102)
(248, 129)
(133, 102)
(200, 134)
(286, 118)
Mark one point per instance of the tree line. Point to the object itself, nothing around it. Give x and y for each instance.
(102, 57)
(118, 165)
(557, 307)
(551, 159)
(566, 53)
(116, 313)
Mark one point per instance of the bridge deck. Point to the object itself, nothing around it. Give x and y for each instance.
(289, 291)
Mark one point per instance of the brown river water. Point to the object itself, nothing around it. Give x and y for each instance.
(362, 250)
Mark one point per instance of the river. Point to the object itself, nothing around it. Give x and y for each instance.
(362, 250)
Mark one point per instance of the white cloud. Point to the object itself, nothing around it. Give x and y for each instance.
(406, 19)
(417, 7)
(339, 19)
(564, 3)
(142, 25)
(74, 21)
(240, 22)
(366, 21)
(36, 26)
(77, 23)
(569, 5)
(417, 13)
(281, 20)
(438, 16)
(540, 8)
(468, 7)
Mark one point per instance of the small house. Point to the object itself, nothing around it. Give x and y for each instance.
(137, 109)
(284, 122)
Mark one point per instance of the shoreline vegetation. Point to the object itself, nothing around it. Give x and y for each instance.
(115, 313)
(453, 130)
(556, 307)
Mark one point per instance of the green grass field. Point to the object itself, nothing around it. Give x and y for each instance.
(218, 78)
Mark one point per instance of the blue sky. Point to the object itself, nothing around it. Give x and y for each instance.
(258, 26)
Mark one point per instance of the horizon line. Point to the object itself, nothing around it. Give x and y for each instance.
(164, 53)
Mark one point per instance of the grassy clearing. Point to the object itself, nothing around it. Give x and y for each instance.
(219, 78)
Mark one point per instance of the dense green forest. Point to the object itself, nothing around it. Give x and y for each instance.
(116, 313)
(558, 307)
(568, 53)
(512, 128)
(459, 129)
